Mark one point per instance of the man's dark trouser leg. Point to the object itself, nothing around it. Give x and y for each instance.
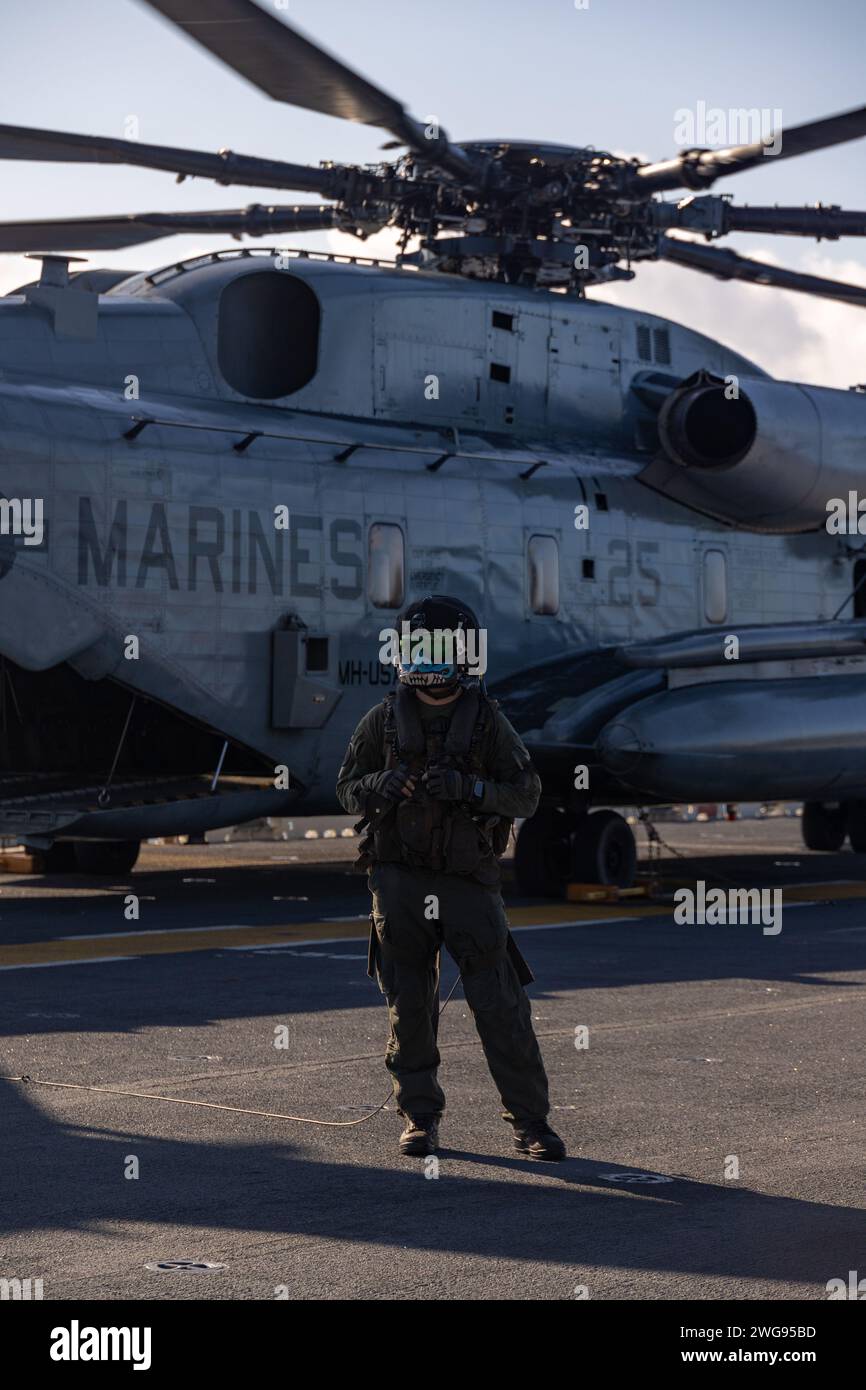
(475, 932)
(408, 973)
(474, 927)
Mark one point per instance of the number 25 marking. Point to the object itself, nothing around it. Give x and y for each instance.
(643, 550)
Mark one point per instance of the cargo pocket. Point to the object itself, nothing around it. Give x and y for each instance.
(380, 966)
(372, 950)
(521, 965)
(490, 982)
(489, 990)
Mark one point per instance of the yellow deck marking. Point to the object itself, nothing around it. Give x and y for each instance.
(128, 945)
(166, 943)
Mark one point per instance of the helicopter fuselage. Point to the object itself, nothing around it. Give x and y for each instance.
(248, 462)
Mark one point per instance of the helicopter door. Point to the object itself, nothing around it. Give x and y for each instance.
(517, 339)
(584, 384)
(428, 359)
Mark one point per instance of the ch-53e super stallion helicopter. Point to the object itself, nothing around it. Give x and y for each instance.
(430, 425)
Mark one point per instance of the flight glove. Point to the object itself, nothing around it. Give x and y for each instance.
(394, 783)
(447, 784)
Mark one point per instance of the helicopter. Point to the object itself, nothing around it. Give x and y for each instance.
(245, 463)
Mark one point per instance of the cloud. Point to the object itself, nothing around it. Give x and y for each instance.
(15, 271)
(382, 246)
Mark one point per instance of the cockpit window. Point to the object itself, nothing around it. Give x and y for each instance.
(268, 338)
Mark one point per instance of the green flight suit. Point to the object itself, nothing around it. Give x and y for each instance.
(471, 924)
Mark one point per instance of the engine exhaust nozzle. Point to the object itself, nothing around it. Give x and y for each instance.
(703, 425)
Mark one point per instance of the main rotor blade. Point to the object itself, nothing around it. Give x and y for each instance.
(24, 142)
(830, 223)
(281, 62)
(114, 233)
(700, 168)
(714, 216)
(727, 265)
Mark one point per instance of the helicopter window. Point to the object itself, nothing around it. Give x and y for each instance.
(662, 345)
(268, 339)
(385, 565)
(715, 586)
(543, 555)
(499, 372)
(505, 321)
(644, 344)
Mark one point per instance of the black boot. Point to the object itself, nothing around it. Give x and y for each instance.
(536, 1139)
(421, 1135)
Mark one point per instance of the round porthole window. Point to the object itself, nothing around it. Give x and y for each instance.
(268, 336)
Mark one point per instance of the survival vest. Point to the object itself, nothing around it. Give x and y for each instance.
(445, 836)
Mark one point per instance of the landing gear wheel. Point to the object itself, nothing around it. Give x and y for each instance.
(605, 850)
(106, 857)
(59, 858)
(555, 849)
(824, 827)
(856, 825)
(542, 857)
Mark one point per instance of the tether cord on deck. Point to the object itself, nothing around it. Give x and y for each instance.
(212, 1105)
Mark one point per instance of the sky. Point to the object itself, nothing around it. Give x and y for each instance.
(616, 74)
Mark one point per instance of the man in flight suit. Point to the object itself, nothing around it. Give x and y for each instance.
(438, 774)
